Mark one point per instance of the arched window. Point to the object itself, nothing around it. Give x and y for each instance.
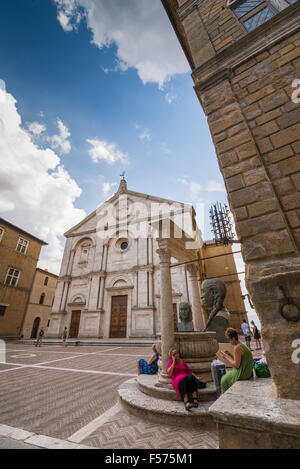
(46, 281)
(42, 298)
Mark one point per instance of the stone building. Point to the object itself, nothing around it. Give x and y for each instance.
(245, 60)
(40, 303)
(109, 283)
(19, 254)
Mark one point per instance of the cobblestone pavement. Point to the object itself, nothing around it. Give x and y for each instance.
(70, 393)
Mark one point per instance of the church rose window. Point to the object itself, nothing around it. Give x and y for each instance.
(253, 13)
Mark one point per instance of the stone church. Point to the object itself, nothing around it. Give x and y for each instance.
(109, 283)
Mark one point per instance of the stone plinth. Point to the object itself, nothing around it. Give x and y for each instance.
(250, 416)
(198, 349)
(161, 410)
(149, 384)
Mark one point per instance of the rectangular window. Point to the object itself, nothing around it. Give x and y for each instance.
(243, 8)
(12, 277)
(22, 245)
(1, 233)
(259, 18)
(2, 309)
(253, 13)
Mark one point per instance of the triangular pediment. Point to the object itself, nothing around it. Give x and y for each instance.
(127, 199)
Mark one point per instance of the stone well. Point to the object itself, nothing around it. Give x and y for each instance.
(198, 349)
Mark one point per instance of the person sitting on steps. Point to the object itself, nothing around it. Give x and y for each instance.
(184, 381)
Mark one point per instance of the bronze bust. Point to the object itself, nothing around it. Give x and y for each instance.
(212, 297)
(186, 318)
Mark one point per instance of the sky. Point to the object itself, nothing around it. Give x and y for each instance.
(89, 89)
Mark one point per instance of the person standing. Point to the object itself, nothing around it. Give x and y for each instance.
(40, 337)
(65, 336)
(256, 336)
(247, 333)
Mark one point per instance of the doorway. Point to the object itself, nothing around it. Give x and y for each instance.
(118, 322)
(35, 328)
(75, 322)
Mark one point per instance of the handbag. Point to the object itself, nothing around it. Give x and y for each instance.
(200, 384)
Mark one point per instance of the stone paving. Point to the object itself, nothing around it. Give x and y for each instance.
(70, 393)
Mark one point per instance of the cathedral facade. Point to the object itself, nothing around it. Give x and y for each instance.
(109, 283)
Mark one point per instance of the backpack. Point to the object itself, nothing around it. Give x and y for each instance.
(262, 370)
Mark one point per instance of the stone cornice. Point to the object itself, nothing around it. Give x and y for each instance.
(115, 289)
(257, 41)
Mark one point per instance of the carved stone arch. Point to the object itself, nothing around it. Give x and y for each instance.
(78, 299)
(124, 279)
(82, 240)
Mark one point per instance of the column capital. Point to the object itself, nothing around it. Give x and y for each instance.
(192, 270)
(164, 255)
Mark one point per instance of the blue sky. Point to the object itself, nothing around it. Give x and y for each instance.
(100, 87)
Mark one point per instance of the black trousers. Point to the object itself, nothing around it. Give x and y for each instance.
(187, 385)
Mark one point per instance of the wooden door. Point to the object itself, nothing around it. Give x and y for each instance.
(118, 322)
(75, 321)
(35, 328)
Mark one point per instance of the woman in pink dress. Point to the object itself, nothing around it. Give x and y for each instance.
(184, 381)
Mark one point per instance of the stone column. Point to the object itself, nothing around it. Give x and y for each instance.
(65, 295)
(71, 261)
(198, 316)
(166, 308)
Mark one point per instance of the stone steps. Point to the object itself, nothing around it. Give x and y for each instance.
(165, 411)
(148, 385)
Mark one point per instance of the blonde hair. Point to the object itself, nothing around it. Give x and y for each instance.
(171, 351)
(154, 348)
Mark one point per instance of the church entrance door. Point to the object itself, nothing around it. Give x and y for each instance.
(35, 328)
(118, 322)
(75, 321)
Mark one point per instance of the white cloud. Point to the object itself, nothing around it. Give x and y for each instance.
(141, 30)
(170, 97)
(36, 192)
(214, 186)
(144, 136)
(69, 15)
(195, 188)
(36, 129)
(61, 141)
(2, 85)
(102, 150)
(107, 188)
(164, 148)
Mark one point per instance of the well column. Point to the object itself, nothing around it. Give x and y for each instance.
(166, 307)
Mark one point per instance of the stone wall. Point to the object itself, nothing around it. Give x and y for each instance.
(244, 82)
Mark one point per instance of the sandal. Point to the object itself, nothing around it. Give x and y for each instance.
(188, 405)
